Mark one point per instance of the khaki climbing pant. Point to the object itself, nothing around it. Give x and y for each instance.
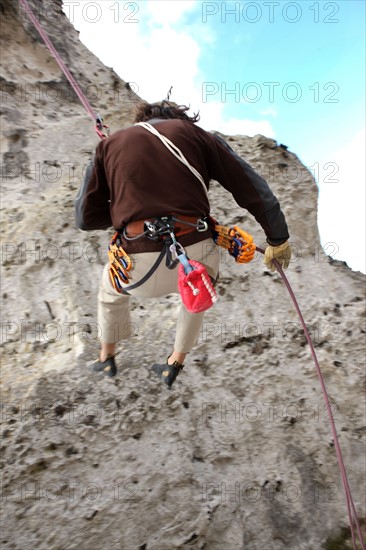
(114, 316)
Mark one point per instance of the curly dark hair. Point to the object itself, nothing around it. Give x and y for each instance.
(163, 109)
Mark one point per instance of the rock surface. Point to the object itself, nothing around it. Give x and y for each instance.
(239, 455)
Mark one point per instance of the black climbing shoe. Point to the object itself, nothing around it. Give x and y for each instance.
(168, 373)
(108, 366)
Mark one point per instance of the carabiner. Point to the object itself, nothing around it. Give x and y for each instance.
(201, 226)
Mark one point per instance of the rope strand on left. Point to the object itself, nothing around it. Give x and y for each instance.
(101, 129)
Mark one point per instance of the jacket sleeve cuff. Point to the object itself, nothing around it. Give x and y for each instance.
(276, 242)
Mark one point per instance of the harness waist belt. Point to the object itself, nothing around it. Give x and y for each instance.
(133, 229)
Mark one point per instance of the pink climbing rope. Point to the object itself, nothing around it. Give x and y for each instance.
(65, 70)
(352, 514)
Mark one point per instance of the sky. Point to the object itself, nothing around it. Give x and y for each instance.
(292, 71)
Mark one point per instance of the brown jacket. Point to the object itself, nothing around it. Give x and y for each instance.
(134, 176)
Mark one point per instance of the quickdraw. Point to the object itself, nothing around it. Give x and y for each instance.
(102, 129)
(239, 243)
(120, 263)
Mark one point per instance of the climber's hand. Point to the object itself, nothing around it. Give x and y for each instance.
(281, 253)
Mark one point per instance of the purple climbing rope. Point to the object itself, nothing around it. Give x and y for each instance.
(352, 514)
(96, 118)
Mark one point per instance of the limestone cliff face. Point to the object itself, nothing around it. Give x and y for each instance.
(239, 454)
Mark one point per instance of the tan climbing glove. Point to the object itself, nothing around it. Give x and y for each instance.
(281, 253)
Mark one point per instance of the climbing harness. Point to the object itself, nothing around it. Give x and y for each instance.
(101, 128)
(194, 283)
(120, 262)
(160, 227)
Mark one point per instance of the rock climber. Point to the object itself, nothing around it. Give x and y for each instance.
(135, 181)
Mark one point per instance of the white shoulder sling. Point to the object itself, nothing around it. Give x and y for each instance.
(174, 150)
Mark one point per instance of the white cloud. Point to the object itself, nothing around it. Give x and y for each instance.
(212, 118)
(149, 52)
(163, 61)
(167, 13)
(341, 209)
(154, 54)
(270, 111)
